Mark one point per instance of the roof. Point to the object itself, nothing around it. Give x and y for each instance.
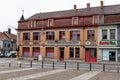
(3, 36)
(113, 9)
(11, 36)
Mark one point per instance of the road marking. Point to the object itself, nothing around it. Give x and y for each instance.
(86, 76)
(33, 76)
(16, 70)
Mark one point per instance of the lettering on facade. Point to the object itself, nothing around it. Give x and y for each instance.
(107, 42)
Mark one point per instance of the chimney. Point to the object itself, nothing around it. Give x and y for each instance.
(88, 5)
(9, 31)
(75, 6)
(101, 4)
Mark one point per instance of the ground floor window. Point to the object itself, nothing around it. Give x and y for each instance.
(74, 52)
(109, 55)
(50, 52)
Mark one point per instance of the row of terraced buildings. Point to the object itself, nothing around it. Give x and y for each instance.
(90, 34)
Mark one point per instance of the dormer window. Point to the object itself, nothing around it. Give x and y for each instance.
(95, 19)
(31, 24)
(50, 22)
(75, 20)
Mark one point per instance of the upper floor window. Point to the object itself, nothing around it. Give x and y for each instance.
(61, 35)
(90, 34)
(95, 19)
(75, 35)
(36, 36)
(31, 24)
(112, 33)
(50, 22)
(75, 20)
(104, 34)
(100, 19)
(26, 36)
(49, 35)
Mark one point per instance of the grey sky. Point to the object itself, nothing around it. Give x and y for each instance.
(11, 10)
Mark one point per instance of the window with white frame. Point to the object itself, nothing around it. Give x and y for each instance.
(75, 21)
(31, 24)
(95, 19)
(36, 35)
(104, 34)
(75, 35)
(61, 35)
(112, 34)
(26, 36)
(91, 34)
(50, 21)
(50, 35)
(74, 52)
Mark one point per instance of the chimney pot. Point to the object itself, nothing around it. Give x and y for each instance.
(75, 7)
(88, 5)
(9, 31)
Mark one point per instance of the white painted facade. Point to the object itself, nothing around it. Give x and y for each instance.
(106, 51)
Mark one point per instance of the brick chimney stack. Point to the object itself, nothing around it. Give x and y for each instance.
(88, 5)
(101, 4)
(75, 6)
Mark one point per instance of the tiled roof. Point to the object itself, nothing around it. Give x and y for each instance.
(3, 36)
(11, 36)
(113, 9)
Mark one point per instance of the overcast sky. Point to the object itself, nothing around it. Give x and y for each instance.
(11, 10)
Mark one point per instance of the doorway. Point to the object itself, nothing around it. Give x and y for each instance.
(62, 53)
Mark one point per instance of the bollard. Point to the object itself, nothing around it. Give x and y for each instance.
(90, 66)
(103, 67)
(9, 64)
(31, 64)
(77, 66)
(53, 65)
(20, 65)
(118, 69)
(65, 65)
(42, 64)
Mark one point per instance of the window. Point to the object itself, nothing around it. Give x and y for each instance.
(75, 21)
(90, 34)
(74, 52)
(8, 45)
(50, 22)
(104, 34)
(50, 36)
(75, 35)
(95, 19)
(100, 19)
(93, 52)
(112, 33)
(61, 35)
(36, 36)
(31, 24)
(26, 36)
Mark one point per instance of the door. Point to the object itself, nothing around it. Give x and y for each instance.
(36, 51)
(61, 53)
(26, 52)
(87, 55)
(90, 55)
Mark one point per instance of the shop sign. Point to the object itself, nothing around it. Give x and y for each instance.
(107, 42)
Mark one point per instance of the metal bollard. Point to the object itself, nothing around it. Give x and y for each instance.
(20, 65)
(42, 64)
(118, 69)
(53, 65)
(90, 66)
(65, 65)
(103, 67)
(9, 64)
(77, 66)
(31, 64)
